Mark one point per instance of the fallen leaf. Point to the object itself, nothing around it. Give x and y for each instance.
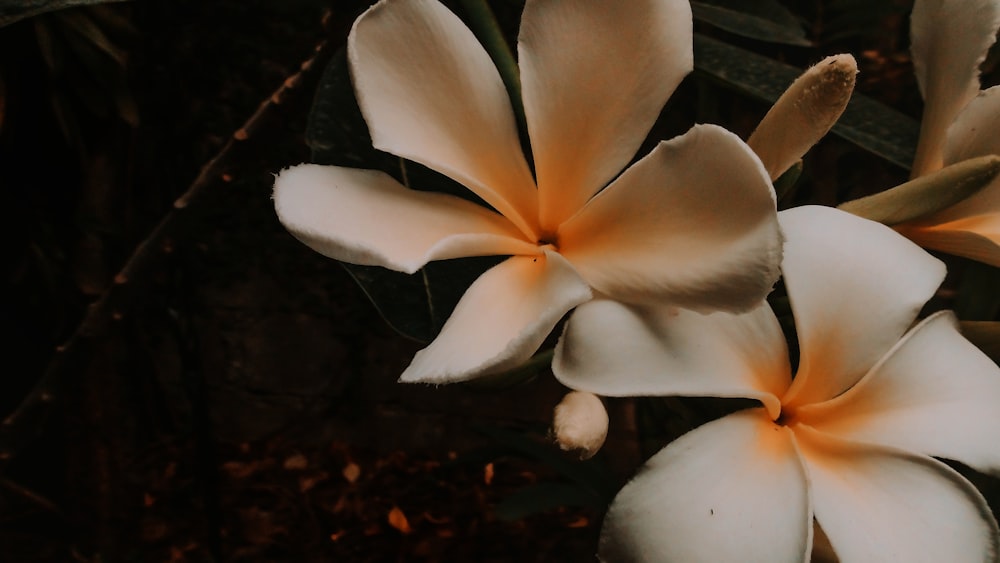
(398, 520)
(351, 472)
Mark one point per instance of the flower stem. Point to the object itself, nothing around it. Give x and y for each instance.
(484, 24)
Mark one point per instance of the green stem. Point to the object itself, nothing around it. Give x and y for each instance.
(484, 24)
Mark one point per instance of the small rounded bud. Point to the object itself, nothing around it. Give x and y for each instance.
(580, 423)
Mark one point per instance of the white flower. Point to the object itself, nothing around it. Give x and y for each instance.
(950, 39)
(692, 223)
(847, 442)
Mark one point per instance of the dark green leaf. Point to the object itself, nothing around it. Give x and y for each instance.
(867, 123)
(15, 10)
(985, 335)
(749, 25)
(542, 497)
(590, 475)
(978, 298)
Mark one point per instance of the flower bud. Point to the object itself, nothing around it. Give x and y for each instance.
(580, 423)
(804, 113)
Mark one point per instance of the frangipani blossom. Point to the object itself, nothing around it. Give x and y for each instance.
(950, 41)
(693, 223)
(847, 442)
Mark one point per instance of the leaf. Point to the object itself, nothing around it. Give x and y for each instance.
(542, 497)
(985, 335)
(927, 194)
(750, 25)
(978, 298)
(867, 123)
(589, 475)
(16, 10)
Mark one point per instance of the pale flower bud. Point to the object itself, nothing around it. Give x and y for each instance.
(580, 423)
(804, 113)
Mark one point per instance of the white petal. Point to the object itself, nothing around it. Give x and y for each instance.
(975, 237)
(430, 93)
(618, 350)
(935, 394)
(595, 75)
(974, 131)
(365, 217)
(879, 504)
(804, 113)
(501, 320)
(692, 224)
(732, 490)
(949, 42)
(855, 287)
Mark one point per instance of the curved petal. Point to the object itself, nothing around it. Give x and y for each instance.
(732, 490)
(595, 76)
(692, 224)
(366, 217)
(501, 320)
(935, 393)
(974, 131)
(977, 238)
(618, 350)
(855, 287)
(804, 113)
(949, 42)
(880, 504)
(430, 93)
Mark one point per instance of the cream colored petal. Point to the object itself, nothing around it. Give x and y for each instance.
(855, 287)
(974, 132)
(501, 320)
(949, 40)
(977, 238)
(804, 113)
(430, 93)
(692, 224)
(879, 504)
(365, 217)
(732, 490)
(595, 76)
(619, 350)
(934, 393)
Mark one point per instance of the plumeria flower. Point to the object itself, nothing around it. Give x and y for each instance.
(950, 39)
(846, 443)
(692, 223)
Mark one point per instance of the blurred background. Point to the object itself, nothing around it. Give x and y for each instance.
(186, 382)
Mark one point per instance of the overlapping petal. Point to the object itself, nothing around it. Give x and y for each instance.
(855, 287)
(880, 504)
(732, 490)
(430, 93)
(501, 320)
(949, 40)
(692, 224)
(595, 75)
(366, 217)
(977, 237)
(934, 393)
(619, 350)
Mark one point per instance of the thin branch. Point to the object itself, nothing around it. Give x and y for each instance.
(161, 241)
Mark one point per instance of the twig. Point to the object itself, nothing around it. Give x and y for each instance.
(160, 242)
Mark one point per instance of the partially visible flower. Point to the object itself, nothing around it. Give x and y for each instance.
(847, 442)
(804, 113)
(950, 39)
(692, 223)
